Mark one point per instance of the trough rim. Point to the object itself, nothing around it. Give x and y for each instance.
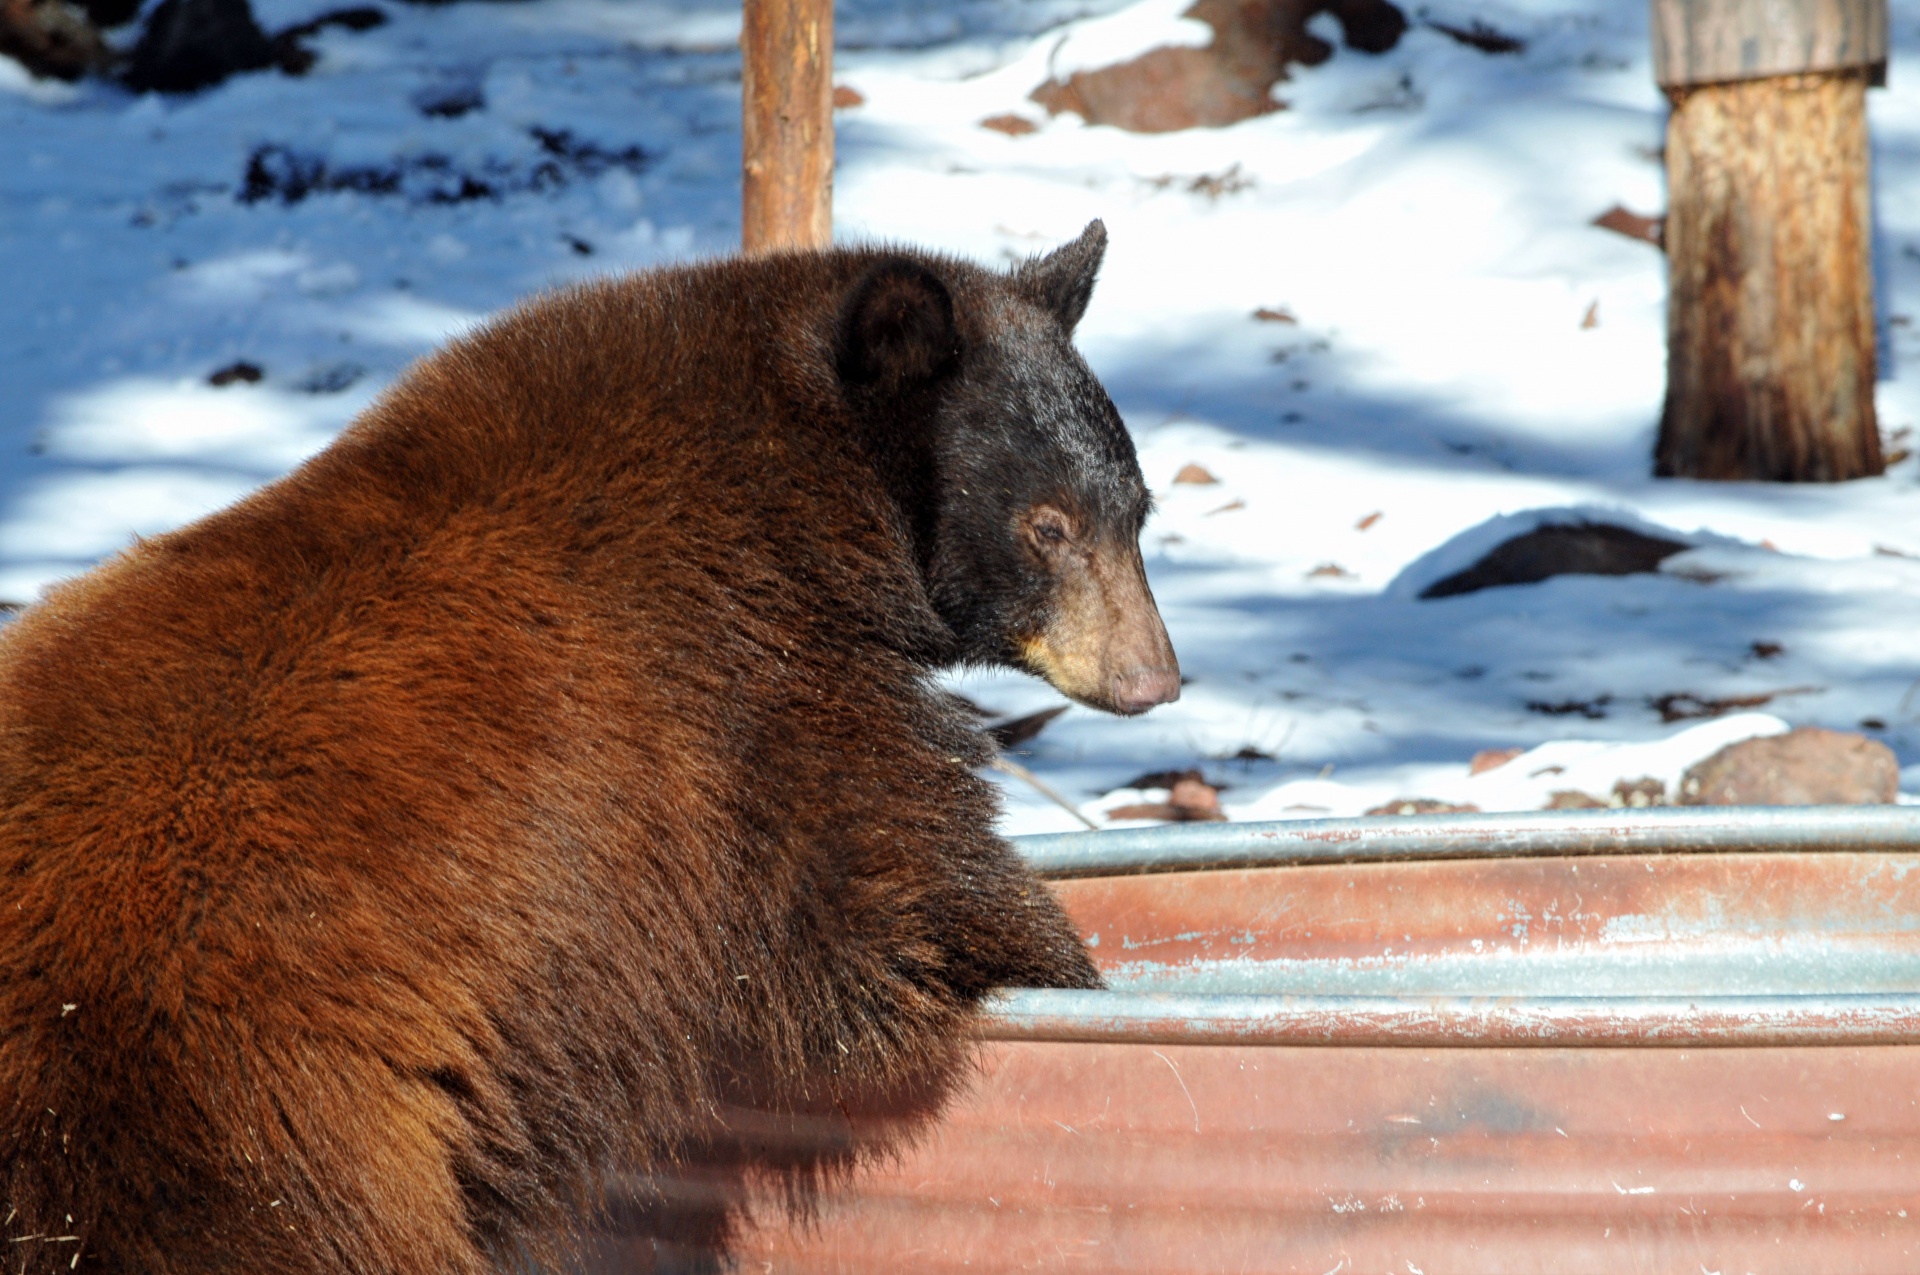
(1188, 847)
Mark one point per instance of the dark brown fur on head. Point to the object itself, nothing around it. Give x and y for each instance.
(1024, 487)
(544, 782)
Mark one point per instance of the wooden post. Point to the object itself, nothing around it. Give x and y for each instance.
(1769, 237)
(786, 77)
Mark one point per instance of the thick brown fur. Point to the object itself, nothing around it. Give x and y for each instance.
(531, 783)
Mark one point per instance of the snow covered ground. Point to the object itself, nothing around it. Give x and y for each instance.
(1466, 349)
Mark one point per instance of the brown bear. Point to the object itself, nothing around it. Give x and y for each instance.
(545, 781)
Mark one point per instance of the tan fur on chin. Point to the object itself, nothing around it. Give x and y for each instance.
(1074, 673)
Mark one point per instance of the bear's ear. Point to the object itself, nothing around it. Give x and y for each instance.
(1062, 281)
(897, 330)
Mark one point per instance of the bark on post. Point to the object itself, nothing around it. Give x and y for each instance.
(1770, 330)
(786, 53)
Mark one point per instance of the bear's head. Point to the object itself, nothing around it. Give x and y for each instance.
(1018, 478)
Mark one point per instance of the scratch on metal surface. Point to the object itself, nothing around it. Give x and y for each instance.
(1183, 1087)
(1186, 937)
(1634, 927)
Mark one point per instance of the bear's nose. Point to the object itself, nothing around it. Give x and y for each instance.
(1140, 689)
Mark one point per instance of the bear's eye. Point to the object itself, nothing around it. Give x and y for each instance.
(1049, 527)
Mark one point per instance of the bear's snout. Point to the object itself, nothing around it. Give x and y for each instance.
(1138, 690)
(1105, 644)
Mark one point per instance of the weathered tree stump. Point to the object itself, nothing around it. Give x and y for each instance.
(1770, 333)
(786, 54)
(1770, 325)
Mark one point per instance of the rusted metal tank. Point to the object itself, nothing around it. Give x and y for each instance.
(1664, 1041)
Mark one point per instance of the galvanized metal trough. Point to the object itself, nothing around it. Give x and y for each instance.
(1663, 1040)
